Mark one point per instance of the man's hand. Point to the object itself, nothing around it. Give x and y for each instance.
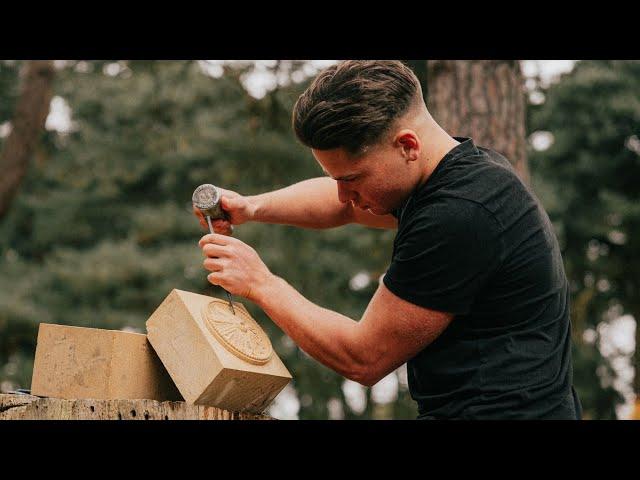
(237, 207)
(235, 266)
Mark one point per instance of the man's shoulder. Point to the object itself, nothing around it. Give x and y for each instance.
(479, 164)
(483, 183)
(451, 218)
(450, 208)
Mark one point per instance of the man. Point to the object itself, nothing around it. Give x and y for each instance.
(475, 300)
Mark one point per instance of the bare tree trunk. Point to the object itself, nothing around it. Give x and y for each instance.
(484, 100)
(28, 122)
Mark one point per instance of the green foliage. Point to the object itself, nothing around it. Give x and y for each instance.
(588, 181)
(102, 229)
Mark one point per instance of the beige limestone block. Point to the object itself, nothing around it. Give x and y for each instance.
(215, 357)
(90, 363)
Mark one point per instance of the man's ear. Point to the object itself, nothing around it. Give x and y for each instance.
(409, 142)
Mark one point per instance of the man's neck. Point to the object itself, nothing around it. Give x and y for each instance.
(439, 144)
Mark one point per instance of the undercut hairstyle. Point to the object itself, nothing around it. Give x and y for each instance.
(354, 103)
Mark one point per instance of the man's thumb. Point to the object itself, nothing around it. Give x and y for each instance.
(227, 202)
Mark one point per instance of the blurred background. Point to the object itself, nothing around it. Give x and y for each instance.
(98, 161)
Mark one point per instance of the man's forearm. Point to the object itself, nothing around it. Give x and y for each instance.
(329, 337)
(311, 203)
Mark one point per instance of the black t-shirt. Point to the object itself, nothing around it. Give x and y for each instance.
(475, 241)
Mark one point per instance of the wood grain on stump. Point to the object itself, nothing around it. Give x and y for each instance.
(30, 407)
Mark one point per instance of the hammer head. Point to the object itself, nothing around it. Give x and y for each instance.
(207, 199)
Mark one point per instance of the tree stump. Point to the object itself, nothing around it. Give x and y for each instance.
(30, 407)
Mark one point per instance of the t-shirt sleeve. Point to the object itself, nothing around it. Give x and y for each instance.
(444, 255)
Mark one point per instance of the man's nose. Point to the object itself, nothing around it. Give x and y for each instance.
(344, 194)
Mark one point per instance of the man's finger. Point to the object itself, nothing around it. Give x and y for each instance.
(197, 212)
(228, 232)
(214, 264)
(214, 278)
(200, 216)
(220, 223)
(227, 202)
(212, 250)
(216, 239)
(222, 227)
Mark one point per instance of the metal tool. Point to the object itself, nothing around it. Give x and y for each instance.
(206, 198)
(21, 391)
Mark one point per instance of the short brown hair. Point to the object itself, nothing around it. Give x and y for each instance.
(352, 104)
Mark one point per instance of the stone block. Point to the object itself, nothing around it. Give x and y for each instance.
(82, 363)
(215, 357)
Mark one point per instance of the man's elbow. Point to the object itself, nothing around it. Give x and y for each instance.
(366, 375)
(365, 365)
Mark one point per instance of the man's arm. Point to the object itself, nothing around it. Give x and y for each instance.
(390, 332)
(313, 203)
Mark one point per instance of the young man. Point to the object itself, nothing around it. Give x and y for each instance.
(475, 300)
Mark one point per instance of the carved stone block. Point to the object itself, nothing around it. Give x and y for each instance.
(82, 363)
(214, 357)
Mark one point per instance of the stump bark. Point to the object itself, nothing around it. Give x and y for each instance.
(30, 407)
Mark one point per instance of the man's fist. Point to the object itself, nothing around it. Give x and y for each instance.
(235, 266)
(237, 208)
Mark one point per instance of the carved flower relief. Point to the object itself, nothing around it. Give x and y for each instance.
(239, 333)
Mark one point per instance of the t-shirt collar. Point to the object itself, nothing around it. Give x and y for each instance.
(466, 147)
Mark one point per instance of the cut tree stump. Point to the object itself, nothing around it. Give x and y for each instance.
(30, 407)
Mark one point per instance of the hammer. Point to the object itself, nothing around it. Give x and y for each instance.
(206, 198)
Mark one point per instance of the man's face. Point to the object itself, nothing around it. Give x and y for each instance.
(378, 181)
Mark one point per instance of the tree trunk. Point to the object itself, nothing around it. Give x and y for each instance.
(635, 359)
(484, 100)
(28, 121)
(30, 407)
